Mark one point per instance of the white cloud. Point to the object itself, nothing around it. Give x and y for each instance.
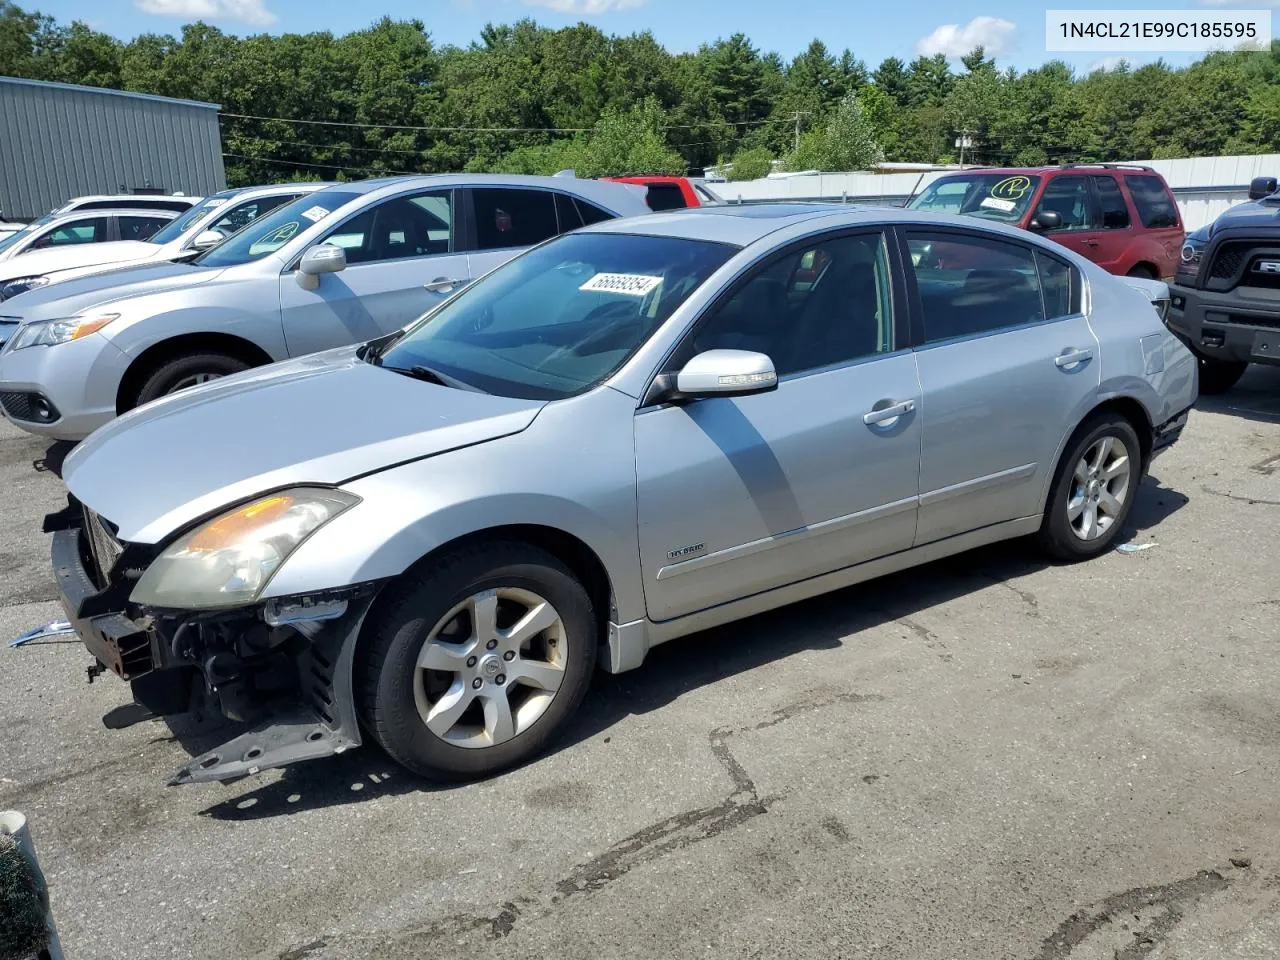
(587, 8)
(1108, 64)
(1240, 3)
(991, 33)
(253, 12)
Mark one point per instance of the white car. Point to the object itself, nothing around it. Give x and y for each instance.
(81, 227)
(203, 226)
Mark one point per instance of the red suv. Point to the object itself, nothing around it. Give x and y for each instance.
(1121, 216)
(670, 193)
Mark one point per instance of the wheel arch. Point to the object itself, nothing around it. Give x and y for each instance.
(153, 356)
(1127, 406)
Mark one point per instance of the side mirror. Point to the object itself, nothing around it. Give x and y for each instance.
(1260, 187)
(725, 373)
(206, 239)
(322, 258)
(1046, 220)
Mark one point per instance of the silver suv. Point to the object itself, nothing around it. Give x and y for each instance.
(339, 266)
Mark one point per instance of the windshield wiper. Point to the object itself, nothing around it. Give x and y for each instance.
(427, 375)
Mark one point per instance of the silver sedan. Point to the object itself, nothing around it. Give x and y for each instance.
(626, 434)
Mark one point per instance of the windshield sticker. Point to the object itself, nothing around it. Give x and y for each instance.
(315, 214)
(1011, 188)
(215, 204)
(995, 203)
(629, 284)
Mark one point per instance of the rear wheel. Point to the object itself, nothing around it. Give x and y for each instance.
(181, 372)
(474, 665)
(1093, 490)
(1219, 376)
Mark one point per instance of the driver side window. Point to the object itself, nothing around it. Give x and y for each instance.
(813, 307)
(412, 226)
(1069, 198)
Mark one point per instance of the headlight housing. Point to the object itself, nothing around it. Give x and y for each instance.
(22, 285)
(228, 561)
(1189, 259)
(48, 333)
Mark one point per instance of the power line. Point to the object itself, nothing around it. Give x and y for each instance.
(390, 126)
(323, 166)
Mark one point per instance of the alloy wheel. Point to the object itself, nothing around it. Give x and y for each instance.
(1099, 488)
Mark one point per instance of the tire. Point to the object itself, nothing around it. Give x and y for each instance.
(174, 374)
(1146, 273)
(1060, 532)
(1219, 376)
(395, 696)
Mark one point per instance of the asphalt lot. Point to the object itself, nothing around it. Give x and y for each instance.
(984, 758)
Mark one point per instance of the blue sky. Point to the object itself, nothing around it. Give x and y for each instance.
(1013, 30)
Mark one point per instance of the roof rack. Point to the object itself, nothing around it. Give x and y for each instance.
(1108, 166)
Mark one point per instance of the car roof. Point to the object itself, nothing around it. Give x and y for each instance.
(1050, 170)
(598, 190)
(269, 189)
(81, 214)
(126, 198)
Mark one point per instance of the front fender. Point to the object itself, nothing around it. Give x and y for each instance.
(140, 332)
(572, 470)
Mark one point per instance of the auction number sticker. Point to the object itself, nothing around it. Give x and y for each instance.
(995, 203)
(315, 214)
(1011, 188)
(629, 284)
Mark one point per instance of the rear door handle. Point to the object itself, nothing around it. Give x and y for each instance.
(1069, 358)
(441, 284)
(891, 412)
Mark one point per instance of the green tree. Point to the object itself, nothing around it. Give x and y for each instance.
(750, 164)
(846, 142)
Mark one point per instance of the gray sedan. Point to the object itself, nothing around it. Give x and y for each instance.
(337, 266)
(629, 433)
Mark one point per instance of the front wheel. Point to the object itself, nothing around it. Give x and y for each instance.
(1093, 490)
(181, 372)
(475, 664)
(1219, 376)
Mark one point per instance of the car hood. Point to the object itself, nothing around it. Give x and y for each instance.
(324, 418)
(73, 297)
(37, 263)
(1256, 213)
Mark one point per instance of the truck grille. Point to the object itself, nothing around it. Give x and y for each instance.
(1236, 264)
(104, 547)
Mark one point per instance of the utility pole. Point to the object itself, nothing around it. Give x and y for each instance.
(964, 142)
(797, 130)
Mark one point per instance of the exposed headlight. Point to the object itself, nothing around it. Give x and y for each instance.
(47, 333)
(21, 285)
(1190, 257)
(228, 561)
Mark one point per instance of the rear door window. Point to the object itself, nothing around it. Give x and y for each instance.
(1155, 206)
(140, 228)
(508, 217)
(1111, 205)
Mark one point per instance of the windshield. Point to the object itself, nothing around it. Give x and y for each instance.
(25, 232)
(268, 234)
(992, 196)
(562, 317)
(176, 228)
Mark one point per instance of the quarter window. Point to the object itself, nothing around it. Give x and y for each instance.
(416, 226)
(970, 285)
(1061, 284)
(1068, 197)
(1155, 206)
(513, 218)
(824, 304)
(1115, 215)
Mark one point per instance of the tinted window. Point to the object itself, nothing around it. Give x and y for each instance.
(970, 285)
(513, 218)
(1155, 207)
(82, 231)
(825, 304)
(139, 228)
(1061, 285)
(589, 212)
(570, 218)
(552, 322)
(416, 226)
(1115, 215)
(665, 196)
(1068, 197)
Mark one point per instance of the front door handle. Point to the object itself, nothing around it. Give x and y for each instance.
(1069, 358)
(891, 412)
(442, 284)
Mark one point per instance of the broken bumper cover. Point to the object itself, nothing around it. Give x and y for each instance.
(321, 724)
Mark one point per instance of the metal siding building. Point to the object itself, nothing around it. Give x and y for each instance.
(59, 141)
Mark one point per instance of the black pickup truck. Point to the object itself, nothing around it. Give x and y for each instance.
(1225, 297)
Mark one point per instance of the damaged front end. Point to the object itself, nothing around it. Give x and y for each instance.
(282, 666)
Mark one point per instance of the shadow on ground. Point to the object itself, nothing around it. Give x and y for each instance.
(675, 668)
(1255, 397)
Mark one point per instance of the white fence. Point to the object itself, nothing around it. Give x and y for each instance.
(1203, 186)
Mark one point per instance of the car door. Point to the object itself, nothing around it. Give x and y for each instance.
(742, 494)
(1008, 363)
(1072, 199)
(395, 249)
(1115, 231)
(506, 220)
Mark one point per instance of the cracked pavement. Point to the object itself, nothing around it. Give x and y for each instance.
(988, 757)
